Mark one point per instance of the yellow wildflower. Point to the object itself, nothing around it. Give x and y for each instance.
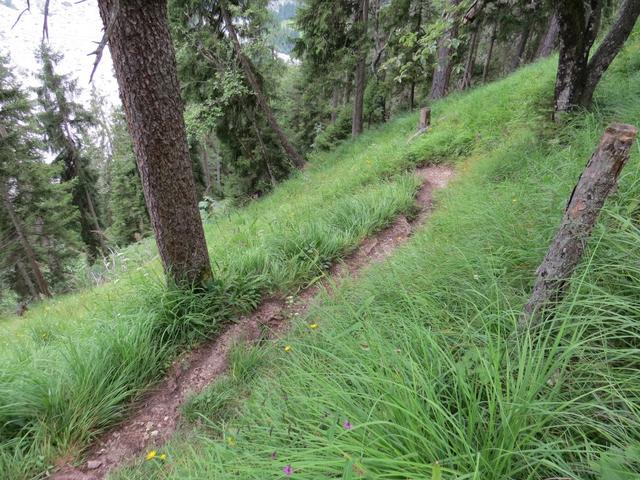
(287, 348)
(151, 455)
(313, 326)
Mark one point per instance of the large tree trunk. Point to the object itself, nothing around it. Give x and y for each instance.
(596, 182)
(145, 67)
(578, 29)
(442, 73)
(611, 45)
(465, 81)
(362, 18)
(521, 45)
(550, 38)
(261, 99)
(43, 286)
(487, 62)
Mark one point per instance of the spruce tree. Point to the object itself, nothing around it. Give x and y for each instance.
(64, 122)
(37, 220)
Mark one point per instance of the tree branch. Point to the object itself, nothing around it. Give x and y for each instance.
(28, 9)
(103, 42)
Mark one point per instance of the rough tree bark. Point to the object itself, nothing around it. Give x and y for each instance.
(577, 76)
(465, 81)
(263, 103)
(43, 286)
(550, 38)
(597, 181)
(487, 62)
(442, 72)
(357, 121)
(145, 67)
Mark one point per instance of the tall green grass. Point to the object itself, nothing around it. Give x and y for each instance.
(416, 370)
(69, 368)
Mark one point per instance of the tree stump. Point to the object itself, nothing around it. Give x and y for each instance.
(597, 181)
(425, 119)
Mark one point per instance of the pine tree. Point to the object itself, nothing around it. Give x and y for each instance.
(37, 220)
(64, 122)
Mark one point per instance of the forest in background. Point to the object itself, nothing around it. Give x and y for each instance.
(251, 116)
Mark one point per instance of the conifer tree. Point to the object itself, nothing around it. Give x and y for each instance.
(37, 221)
(63, 122)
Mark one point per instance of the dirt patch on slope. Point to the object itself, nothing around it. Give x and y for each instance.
(157, 415)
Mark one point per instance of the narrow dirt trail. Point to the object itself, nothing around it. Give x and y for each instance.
(157, 415)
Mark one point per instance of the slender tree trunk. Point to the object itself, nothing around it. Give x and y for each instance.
(26, 279)
(219, 174)
(550, 38)
(206, 168)
(611, 45)
(487, 62)
(335, 103)
(361, 71)
(442, 73)
(465, 81)
(98, 233)
(263, 103)
(594, 186)
(145, 67)
(578, 29)
(43, 286)
(523, 38)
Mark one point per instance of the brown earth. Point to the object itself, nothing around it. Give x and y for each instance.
(157, 415)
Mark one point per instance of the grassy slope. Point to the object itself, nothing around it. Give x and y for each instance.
(429, 370)
(69, 366)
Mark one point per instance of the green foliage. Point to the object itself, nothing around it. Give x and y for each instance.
(128, 212)
(220, 99)
(64, 122)
(42, 206)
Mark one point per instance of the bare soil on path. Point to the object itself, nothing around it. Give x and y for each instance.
(157, 415)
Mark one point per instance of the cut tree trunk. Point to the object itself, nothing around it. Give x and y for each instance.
(597, 181)
(357, 121)
(43, 286)
(549, 39)
(442, 72)
(487, 62)
(261, 99)
(425, 118)
(145, 67)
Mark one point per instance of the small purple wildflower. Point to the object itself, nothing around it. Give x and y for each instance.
(347, 425)
(288, 471)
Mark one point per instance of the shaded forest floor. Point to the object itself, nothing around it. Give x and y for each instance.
(412, 371)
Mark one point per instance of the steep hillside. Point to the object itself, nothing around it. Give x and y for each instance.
(413, 371)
